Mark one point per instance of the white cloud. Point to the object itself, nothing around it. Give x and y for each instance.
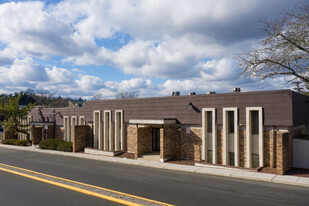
(173, 58)
(27, 27)
(143, 87)
(215, 77)
(89, 83)
(133, 84)
(219, 70)
(59, 75)
(6, 57)
(26, 70)
(100, 56)
(3, 76)
(218, 76)
(105, 94)
(188, 45)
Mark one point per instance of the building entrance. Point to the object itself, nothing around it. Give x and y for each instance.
(155, 139)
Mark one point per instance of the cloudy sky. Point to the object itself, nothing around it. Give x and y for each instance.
(152, 47)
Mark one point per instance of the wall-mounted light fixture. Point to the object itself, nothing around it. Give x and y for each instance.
(193, 107)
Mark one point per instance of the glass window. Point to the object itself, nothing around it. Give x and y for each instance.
(255, 122)
(255, 161)
(230, 121)
(209, 122)
(209, 156)
(232, 158)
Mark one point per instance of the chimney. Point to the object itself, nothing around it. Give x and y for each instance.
(191, 93)
(209, 92)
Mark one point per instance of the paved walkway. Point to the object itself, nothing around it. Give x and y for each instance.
(201, 169)
(153, 156)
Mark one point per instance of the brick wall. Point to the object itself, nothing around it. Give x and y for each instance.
(82, 137)
(59, 132)
(50, 132)
(144, 140)
(132, 139)
(277, 152)
(195, 144)
(266, 147)
(272, 149)
(196, 141)
(283, 151)
(219, 146)
(125, 139)
(242, 152)
(169, 146)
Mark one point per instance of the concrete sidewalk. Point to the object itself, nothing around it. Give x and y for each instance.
(205, 169)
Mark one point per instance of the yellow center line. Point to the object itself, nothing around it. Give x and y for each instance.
(78, 189)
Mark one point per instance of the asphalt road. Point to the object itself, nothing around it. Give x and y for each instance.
(179, 188)
(17, 190)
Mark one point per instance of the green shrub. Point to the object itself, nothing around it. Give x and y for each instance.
(9, 141)
(51, 144)
(16, 142)
(56, 144)
(23, 143)
(65, 146)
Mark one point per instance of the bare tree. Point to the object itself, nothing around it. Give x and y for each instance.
(98, 96)
(45, 97)
(285, 50)
(126, 95)
(30, 92)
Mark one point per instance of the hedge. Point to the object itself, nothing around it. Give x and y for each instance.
(65, 146)
(56, 144)
(23, 143)
(16, 142)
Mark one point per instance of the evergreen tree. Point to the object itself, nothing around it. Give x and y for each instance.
(13, 113)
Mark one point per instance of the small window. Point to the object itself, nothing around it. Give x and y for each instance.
(231, 121)
(255, 122)
(209, 122)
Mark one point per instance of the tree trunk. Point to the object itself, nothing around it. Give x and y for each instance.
(27, 135)
(28, 138)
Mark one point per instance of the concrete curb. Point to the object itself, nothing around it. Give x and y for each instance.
(200, 169)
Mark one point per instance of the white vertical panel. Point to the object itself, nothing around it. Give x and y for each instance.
(66, 130)
(107, 128)
(118, 130)
(205, 134)
(97, 142)
(249, 136)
